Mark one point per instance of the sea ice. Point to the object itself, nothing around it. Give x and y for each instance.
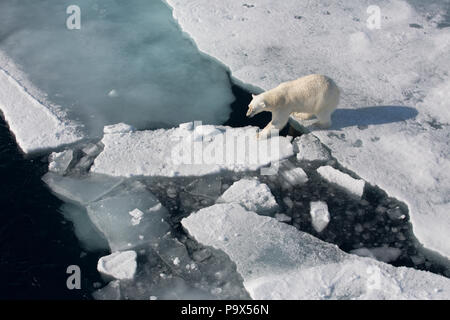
(308, 147)
(320, 217)
(332, 175)
(252, 195)
(391, 126)
(188, 151)
(119, 265)
(277, 261)
(111, 215)
(384, 254)
(59, 162)
(292, 177)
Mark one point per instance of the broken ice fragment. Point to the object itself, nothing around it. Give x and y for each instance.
(111, 215)
(294, 177)
(308, 147)
(136, 215)
(119, 265)
(319, 215)
(353, 186)
(385, 254)
(59, 162)
(252, 195)
(282, 217)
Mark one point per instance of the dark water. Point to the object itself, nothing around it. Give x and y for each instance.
(36, 243)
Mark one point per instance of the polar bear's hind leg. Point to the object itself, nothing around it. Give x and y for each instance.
(324, 120)
(303, 115)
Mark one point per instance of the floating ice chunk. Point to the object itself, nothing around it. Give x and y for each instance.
(119, 265)
(177, 152)
(59, 162)
(252, 195)
(319, 215)
(110, 292)
(385, 254)
(277, 261)
(118, 128)
(308, 147)
(111, 215)
(353, 186)
(294, 177)
(136, 215)
(282, 217)
(81, 190)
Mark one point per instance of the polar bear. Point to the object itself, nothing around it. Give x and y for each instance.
(305, 97)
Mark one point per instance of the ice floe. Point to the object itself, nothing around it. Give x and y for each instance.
(385, 254)
(119, 265)
(59, 162)
(111, 215)
(320, 216)
(188, 151)
(252, 195)
(277, 261)
(308, 147)
(352, 185)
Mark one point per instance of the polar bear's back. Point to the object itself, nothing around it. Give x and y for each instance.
(311, 92)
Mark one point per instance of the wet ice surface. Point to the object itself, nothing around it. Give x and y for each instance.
(128, 61)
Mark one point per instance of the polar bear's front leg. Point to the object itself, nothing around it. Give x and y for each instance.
(265, 132)
(279, 121)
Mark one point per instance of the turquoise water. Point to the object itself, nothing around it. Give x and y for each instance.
(129, 62)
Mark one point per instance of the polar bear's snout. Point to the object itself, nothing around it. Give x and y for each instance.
(250, 113)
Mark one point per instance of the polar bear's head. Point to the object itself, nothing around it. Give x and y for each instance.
(256, 106)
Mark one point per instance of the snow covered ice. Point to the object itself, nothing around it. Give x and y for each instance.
(188, 151)
(391, 126)
(308, 147)
(319, 215)
(59, 162)
(119, 265)
(252, 195)
(354, 186)
(279, 262)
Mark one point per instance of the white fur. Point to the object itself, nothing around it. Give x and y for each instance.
(307, 96)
